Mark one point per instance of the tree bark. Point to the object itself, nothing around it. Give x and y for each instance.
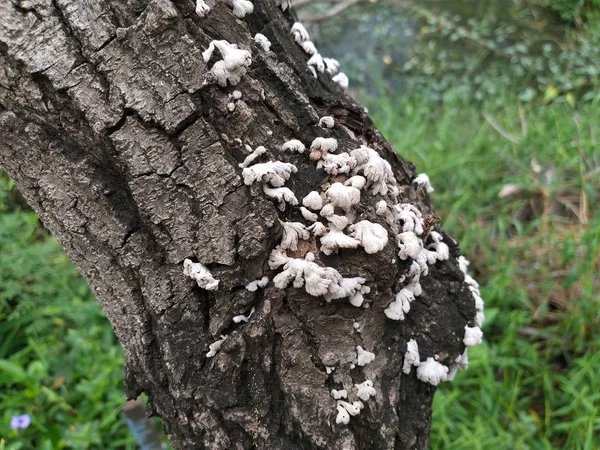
(116, 135)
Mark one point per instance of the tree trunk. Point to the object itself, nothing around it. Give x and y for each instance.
(115, 131)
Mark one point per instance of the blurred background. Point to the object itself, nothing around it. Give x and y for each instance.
(498, 101)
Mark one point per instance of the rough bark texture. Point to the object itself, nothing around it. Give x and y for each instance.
(130, 156)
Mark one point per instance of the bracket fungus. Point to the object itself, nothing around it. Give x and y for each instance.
(234, 64)
(411, 357)
(262, 41)
(363, 357)
(432, 372)
(372, 236)
(201, 274)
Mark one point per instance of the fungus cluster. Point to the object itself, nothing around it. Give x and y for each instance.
(262, 41)
(234, 64)
(362, 391)
(316, 63)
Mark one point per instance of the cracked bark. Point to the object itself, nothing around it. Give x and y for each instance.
(130, 159)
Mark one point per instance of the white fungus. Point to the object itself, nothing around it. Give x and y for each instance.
(215, 346)
(381, 208)
(342, 417)
(293, 145)
(313, 71)
(260, 150)
(339, 394)
(352, 408)
(310, 216)
(326, 122)
(234, 64)
(423, 180)
(363, 357)
(316, 61)
(331, 65)
(341, 79)
(321, 145)
(441, 249)
(336, 164)
(341, 196)
(401, 305)
(473, 335)
(358, 298)
(276, 173)
(292, 232)
(242, 318)
(374, 168)
(317, 229)
(299, 32)
(432, 372)
(236, 95)
(260, 283)
(410, 218)
(356, 181)
(411, 357)
(201, 274)
(231, 106)
(335, 239)
(202, 9)
(282, 194)
(409, 245)
(262, 41)
(372, 236)
(240, 7)
(313, 201)
(308, 47)
(365, 390)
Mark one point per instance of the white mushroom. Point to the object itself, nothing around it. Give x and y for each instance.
(234, 64)
(310, 216)
(240, 7)
(215, 346)
(336, 164)
(473, 335)
(282, 194)
(341, 196)
(409, 244)
(321, 145)
(292, 232)
(365, 390)
(293, 145)
(201, 274)
(262, 41)
(341, 79)
(326, 122)
(372, 236)
(276, 173)
(411, 357)
(299, 32)
(423, 180)
(400, 306)
(202, 9)
(432, 372)
(339, 394)
(363, 357)
(313, 201)
(374, 168)
(260, 150)
(260, 283)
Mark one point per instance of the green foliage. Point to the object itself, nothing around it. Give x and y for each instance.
(533, 384)
(575, 12)
(59, 359)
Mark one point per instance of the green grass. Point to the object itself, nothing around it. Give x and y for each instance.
(534, 383)
(59, 359)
